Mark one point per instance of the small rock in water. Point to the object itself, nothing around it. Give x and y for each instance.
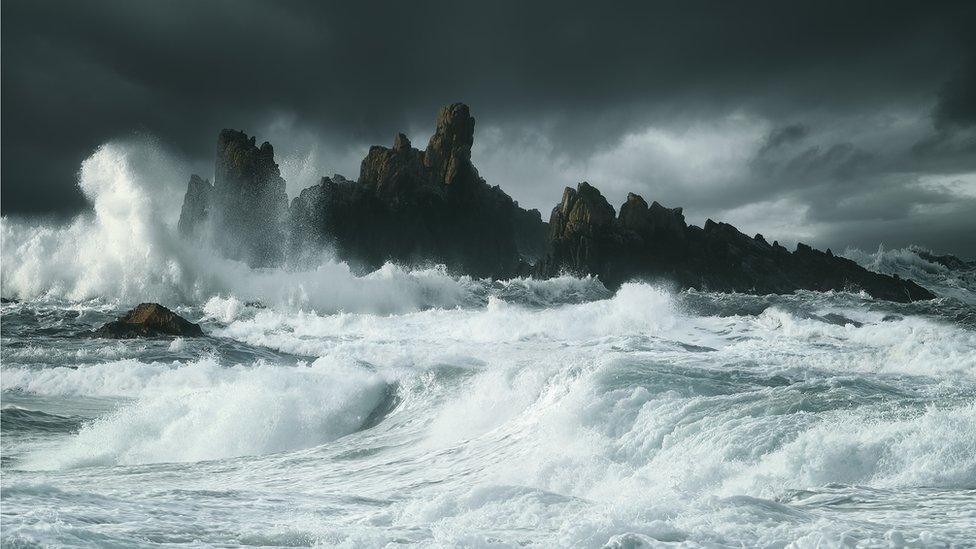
(840, 320)
(149, 320)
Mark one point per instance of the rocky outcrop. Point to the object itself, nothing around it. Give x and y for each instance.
(246, 208)
(149, 320)
(312, 216)
(196, 207)
(430, 206)
(420, 207)
(654, 242)
(582, 238)
(250, 201)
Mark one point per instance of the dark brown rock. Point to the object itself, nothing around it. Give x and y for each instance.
(582, 211)
(654, 243)
(245, 210)
(149, 320)
(448, 154)
(250, 205)
(420, 207)
(634, 214)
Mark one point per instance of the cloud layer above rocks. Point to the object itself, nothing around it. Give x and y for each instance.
(835, 123)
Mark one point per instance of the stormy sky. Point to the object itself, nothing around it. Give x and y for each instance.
(833, 123)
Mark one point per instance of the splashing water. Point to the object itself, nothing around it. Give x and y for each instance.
(330, 408)
(907, 263)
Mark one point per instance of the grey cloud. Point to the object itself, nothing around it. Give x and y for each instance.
(781, 136)
(957, 107)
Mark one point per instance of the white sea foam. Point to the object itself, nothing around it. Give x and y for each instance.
(936, 448)
(906, 263)
(545, 413)
(127, 251)
(578, 424)
(636, 310)
(202, 411)
(908, 345)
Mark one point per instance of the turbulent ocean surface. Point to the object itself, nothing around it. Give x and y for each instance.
(416, 407)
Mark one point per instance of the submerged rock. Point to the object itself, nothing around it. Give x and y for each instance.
(149, 320)
(839, 320)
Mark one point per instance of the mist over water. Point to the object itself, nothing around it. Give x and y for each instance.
(329, 407)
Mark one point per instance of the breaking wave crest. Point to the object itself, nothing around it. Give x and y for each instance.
(126, 250)
(413, 406)
(907, 263)
(203, 411)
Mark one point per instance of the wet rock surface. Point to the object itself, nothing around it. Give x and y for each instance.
(654, 243)
(421, 207)
(244, 213)
(149, 320)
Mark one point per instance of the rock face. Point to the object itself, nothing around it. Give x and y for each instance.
(430, 206)
(196, 206)
(420, 207)
(247, 205)
(149, 320)
(654, 242)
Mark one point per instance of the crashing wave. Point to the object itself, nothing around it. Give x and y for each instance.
(947, 276)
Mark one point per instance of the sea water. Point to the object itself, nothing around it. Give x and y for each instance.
(327, 407)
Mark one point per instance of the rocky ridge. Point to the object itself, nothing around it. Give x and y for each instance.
(586, 236)
(421, 206)
(430, 206)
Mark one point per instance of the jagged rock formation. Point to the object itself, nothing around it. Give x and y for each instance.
(648, 242)
(247, 205)
(196, 206)
(415, 207)
(431, 206)
(149, 320)
(310, 215)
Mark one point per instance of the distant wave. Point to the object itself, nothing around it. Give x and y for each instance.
(16, 419)
(907, 263)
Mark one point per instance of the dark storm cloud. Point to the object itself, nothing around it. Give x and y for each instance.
(560, 91)
(957, 99)
(782, 136)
